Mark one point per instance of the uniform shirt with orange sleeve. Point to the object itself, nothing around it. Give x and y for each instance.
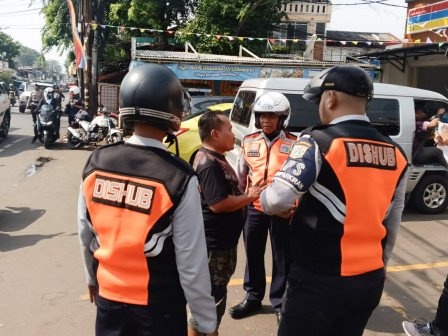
(298, 176)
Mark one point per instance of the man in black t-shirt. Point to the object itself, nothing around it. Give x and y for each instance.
(223, 205)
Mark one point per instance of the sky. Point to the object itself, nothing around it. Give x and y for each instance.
(22, 20)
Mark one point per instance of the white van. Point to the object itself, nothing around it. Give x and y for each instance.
(392, 111)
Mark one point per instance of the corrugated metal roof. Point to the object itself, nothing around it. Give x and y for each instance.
(338, 35)
(173, 56)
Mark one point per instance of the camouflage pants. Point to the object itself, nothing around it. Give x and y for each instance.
(221, 266)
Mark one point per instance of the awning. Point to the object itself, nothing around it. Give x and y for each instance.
(397, 56)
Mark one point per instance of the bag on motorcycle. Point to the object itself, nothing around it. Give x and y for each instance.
(83, 115)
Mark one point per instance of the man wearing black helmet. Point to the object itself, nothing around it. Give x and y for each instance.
(140, 222)
(351, 182)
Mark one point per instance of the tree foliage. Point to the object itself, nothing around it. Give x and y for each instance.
(251, 18)
(27, 56)
(57, 30)
(9, 48)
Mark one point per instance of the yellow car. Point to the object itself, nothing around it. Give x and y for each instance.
(188, 135)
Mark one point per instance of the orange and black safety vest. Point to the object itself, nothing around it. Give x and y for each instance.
(338, 227)
(265, 160)
(131, 194)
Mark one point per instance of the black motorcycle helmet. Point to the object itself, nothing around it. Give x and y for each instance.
(151, 93)
(349, 79)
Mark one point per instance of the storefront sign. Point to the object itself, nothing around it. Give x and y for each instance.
(426, 18)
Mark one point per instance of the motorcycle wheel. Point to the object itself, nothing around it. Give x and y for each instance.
(114, 138)
(47, 141)
(73, 143)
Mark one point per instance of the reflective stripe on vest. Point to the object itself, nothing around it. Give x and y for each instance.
(264, 161)
(368, 172)
(123, 210)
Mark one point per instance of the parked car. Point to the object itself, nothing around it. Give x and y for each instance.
(25, 92)
(392, 111)
(5, 112)
(200, 103)
(188, 135)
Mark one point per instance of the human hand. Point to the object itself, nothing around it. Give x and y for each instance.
(93, 292)
(215, 333)
(254, 191)
(287, 214)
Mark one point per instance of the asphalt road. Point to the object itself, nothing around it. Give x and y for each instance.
(42, 286)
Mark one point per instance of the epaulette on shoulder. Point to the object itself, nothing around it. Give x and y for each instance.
(252, 135)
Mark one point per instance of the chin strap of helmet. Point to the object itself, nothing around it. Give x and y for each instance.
(172, 139)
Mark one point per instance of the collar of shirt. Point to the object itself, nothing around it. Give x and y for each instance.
(147, 142)
(350, 117)
(281, 135)
(48, 101)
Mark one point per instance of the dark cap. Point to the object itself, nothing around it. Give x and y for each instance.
(349, 79)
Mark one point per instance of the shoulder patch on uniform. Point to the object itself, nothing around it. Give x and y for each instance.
(285, 148)
(370, 154)
(299, 149)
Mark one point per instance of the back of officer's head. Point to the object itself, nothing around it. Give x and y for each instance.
(151, 94)
(339, 91)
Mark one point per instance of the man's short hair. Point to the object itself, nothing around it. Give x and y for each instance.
(208, 122)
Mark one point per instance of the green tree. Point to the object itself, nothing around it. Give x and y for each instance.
(27, 56)
(251, 18)
(9, 48)
(57, 30)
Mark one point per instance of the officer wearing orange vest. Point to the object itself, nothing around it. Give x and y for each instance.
(139, 215)
(263, 154)
(351, 180)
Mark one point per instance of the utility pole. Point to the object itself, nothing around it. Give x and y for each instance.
(87, 70)
(97, 17)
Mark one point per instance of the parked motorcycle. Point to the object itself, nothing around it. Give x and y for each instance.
(48, 124)
(12, 98)
(84, 131)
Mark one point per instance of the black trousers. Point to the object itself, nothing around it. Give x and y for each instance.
(255, 233)
(322, 305)
(440, 324)
(120, 319)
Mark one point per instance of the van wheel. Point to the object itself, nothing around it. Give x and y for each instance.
(431, 194)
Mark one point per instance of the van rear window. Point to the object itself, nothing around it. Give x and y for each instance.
(242, 108)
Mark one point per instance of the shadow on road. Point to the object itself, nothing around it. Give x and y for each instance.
(385, 320)
(16, 219)
(9, 243)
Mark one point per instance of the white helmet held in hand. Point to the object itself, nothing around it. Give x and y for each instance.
(273, 102)
(75, 90)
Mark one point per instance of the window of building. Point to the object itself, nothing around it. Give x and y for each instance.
(320, 28)
(312, 9)
(301, 8)
(297, 8)
(290, 7)
(323, 9)
(307, 8)
(317, 9)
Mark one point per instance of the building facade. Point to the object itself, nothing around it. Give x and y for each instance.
(304, 19)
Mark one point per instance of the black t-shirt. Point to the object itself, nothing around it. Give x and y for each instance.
(217, 181)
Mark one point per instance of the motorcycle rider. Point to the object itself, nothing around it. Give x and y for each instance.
(12, 94)
(75, 104)
(53, 102)
(35, 97)
(58, 95)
